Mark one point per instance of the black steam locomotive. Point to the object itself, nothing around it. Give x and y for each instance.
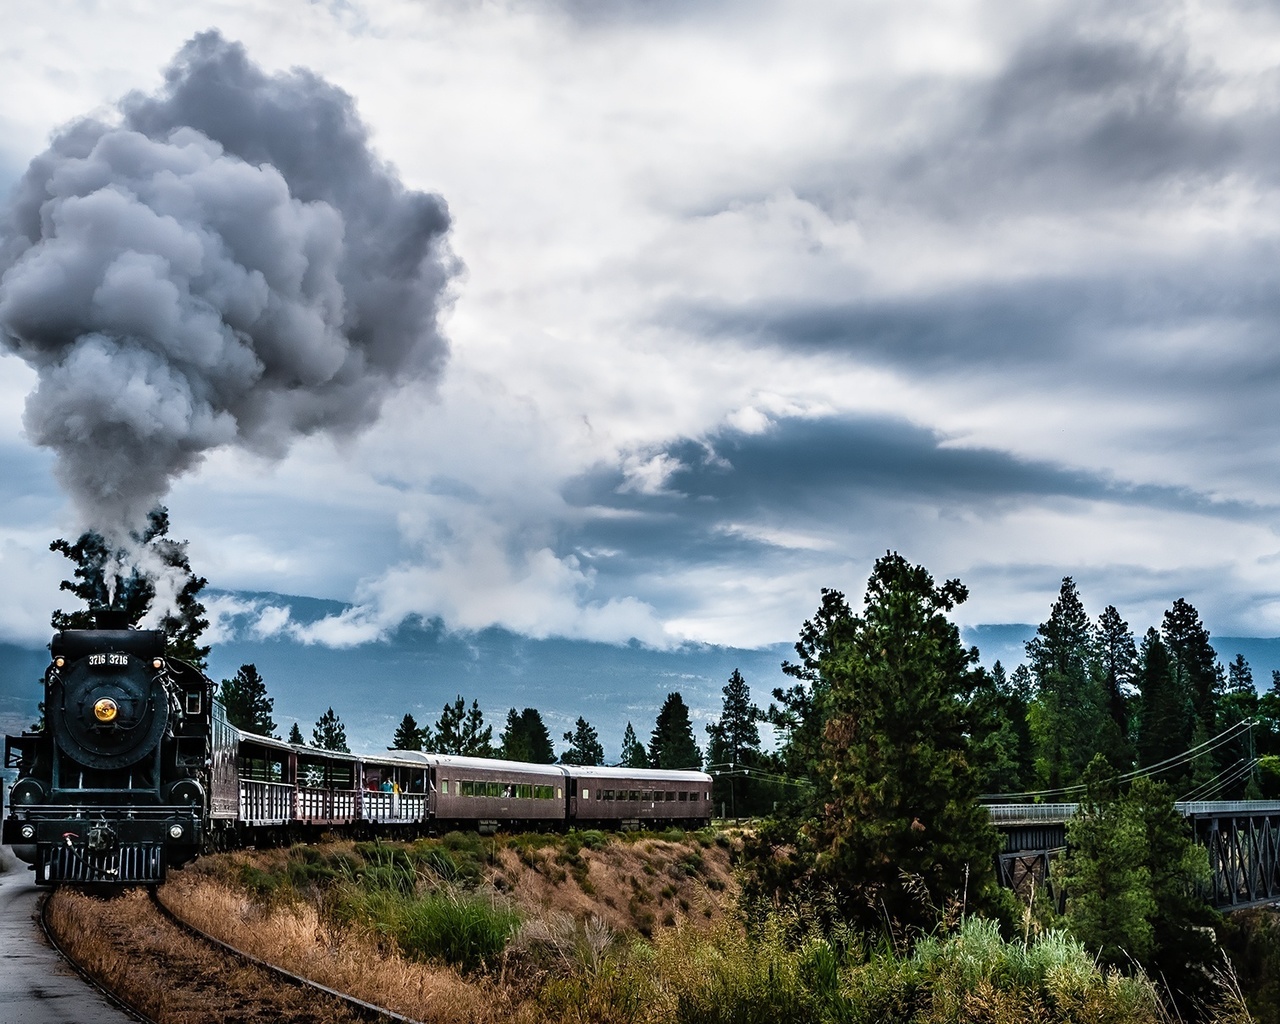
(114, 788)
(137, 770)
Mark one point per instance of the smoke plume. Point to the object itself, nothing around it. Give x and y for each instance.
(227, 264)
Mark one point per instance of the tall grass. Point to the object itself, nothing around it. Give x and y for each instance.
(689, 977)
(418, 899)
(468, 930)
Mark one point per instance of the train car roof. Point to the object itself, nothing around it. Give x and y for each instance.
(317, 752)
(494, 764)
(590, 771)
(262, 741)
(416, 758)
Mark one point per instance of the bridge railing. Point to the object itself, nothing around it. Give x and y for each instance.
(1010, 813)
(1002, 814)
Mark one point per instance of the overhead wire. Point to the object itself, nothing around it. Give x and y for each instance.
(1209, 745)
(1235, 772)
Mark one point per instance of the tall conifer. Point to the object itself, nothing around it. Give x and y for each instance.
(672, 744)
(1067, 718)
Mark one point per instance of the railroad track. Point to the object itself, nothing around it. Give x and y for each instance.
(85, 976)
(357, 1008)
(368, 1011)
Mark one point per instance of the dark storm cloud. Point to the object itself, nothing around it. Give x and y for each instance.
(818, 473)
(230, 265)
(1077, 322)
(1079, 114)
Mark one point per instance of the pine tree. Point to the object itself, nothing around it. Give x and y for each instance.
(97, 566)
(461, 730)
(1166, 719)
(1182, 924)
(1118, 656)
(733, 749)
(408, 736)
(672, 744)
(1001, 749)
(584, 745)
(1067, 717)
(330, 734)
(295, 735)
(1107, 880)
(894, 813)
(1132, 877)
(525, 738)
(797, 716)
(1237, 706)
(1268, 741)
(1194, 662)
(633, 753)
(245, 699)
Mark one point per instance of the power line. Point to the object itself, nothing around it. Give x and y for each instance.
(1226, 736)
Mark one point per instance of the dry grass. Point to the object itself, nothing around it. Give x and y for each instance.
(173, 978)
(292, 936)
(641, 886)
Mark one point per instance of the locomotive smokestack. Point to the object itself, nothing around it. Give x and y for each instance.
(229, 264)
(111, 618)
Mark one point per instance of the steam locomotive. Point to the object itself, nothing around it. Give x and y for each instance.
(137, 770)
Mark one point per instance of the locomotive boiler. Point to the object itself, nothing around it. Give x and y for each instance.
(114, 788)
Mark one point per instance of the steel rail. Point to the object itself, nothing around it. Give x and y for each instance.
(369, 1011)
(115, 1000)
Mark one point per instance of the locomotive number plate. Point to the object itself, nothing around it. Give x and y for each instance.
(108, 659)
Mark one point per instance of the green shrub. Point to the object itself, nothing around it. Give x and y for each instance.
(463, 928)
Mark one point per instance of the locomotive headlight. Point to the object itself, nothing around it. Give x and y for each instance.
(26, 792)
(187, 791)
(59, 662)
(105, 710)
(175, 831)
(157, 663)
(28, 831)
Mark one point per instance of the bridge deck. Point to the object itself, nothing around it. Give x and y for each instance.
(1025, 814)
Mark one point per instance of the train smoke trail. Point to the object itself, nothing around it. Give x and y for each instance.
(229, 264)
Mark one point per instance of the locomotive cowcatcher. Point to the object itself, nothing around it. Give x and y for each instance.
(113, 789)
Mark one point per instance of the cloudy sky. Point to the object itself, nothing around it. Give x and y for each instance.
(746, 294)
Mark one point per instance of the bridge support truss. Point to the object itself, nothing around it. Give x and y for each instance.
(1244, 856)
(1026, 861)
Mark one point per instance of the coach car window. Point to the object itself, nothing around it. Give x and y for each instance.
(586, 794)
(684, 796)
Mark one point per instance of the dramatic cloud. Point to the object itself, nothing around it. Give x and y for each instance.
(755, 292)
(229, 264)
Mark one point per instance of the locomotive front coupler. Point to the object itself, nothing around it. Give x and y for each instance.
(101, 837)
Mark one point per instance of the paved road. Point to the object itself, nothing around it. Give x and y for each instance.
(36, 986)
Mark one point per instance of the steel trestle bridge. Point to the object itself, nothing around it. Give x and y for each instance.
(1241, 836)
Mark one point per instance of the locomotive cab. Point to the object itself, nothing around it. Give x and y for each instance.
(115, 787)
